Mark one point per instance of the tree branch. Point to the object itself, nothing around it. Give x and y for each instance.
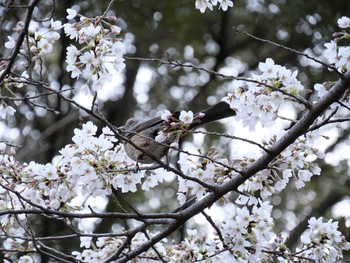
(260, 164)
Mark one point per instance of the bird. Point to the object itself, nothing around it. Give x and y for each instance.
(143, 133)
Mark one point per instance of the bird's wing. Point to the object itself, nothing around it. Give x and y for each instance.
(147, 124)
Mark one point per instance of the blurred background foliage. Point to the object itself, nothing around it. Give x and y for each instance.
(175, 30)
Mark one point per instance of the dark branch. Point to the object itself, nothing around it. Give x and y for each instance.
(19, 40)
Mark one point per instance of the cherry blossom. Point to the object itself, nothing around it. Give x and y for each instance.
(225, 4)
(344, 22)
(202, 5)
(11, 43)
(186, 117)
(71, 13)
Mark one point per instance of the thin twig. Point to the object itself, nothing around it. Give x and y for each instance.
(116, 201)
(325, 121)
(233, 137)
(15, 6)
(212, 223)
(52, 11)
(160, 257)
(241, 31)
(343, 105)
(177, 63)
(319, 125)
(11, 144)
(27, 97)
(108, 8)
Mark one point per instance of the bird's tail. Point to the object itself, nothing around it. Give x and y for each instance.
(217, 112)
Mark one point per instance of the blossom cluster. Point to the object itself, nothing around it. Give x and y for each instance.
(202, 5)
(336, 54)
(296, 162)
(38, 43)
(210, 171)
(323, 241)
(174, 126)
(96, 56)
(246, 235)
(260, 100)
(104, 247)
(195, 247)
(247, 231)
(89, 167)
(55, 185)
(99, 48)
